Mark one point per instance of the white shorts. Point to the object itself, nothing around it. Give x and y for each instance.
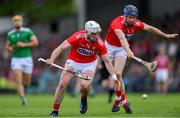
(25, 64)
(81, 67)
(162, 75)
(114, 51)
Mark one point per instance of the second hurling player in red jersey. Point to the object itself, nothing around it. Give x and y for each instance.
(162, 71)
(82, 58)
(120, 32)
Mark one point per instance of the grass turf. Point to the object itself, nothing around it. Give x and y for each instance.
(40, 106)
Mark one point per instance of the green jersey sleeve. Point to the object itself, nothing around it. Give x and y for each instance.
(30, 33)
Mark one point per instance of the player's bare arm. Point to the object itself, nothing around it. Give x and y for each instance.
(158, 32)
(56, 52)
(124, 42)
(110, 69)
(9, 46)
(32, 43)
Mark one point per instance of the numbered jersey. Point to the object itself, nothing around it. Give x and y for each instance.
(23, 35)
(117, 23)
(83, 51)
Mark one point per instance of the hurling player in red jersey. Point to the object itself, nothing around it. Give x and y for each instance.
(84, 45)
(162, 71)
(119, 33)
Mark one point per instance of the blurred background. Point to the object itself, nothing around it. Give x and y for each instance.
(55, 20)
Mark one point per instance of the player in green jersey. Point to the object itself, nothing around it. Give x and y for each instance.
(20, 41)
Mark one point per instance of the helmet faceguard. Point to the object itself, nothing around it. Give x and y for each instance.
(92, 29)
(131, 10)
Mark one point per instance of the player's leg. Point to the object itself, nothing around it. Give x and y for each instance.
(85, 88)
(77, 87)
(165, 81)
(17, 68)
(27, 63)
(26, 81)
(158, 86)
(18, 78)
(27, 77)
(161, 86)
(119, 56)
(165, 86)
(20, 87)
(59, 93)
(158, 78)
(119, 63)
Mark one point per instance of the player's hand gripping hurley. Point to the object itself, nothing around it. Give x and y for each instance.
(150, 65)
(69, 71)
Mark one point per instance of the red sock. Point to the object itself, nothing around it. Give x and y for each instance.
(56, 107)
(118, 98)
(123, 100)
(118, 93)
(123, 97)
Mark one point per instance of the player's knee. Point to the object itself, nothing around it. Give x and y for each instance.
(85, 88)
(85, 91)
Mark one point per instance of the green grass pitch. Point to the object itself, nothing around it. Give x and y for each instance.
(40, 106)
